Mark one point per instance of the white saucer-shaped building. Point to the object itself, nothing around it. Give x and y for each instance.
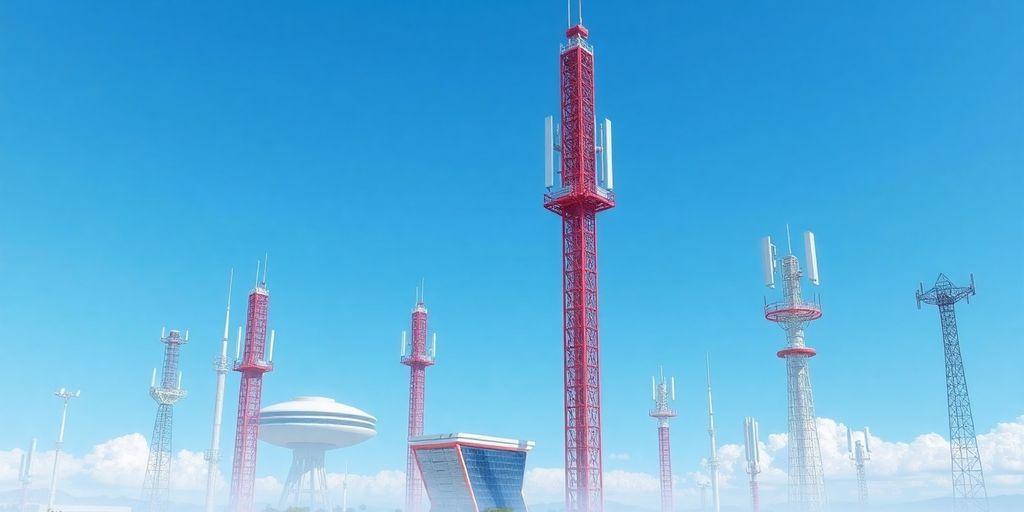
(310, 426)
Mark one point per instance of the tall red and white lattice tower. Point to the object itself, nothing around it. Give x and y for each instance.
(793, 313)
(577, 189)
(661, 393)
(252, 363)
(417, 358)
(166, 391)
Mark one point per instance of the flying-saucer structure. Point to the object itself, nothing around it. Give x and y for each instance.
(310, 426)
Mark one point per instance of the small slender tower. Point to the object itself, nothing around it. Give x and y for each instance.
(255, 361)
(716, 503)
(969, 493)
(417, 358)
(576, 191)
(66, 397)
(751, 442)
(860, 453)
(661, 393)
(220, 367)
(25, 475)
(156, 489)
(793, 313)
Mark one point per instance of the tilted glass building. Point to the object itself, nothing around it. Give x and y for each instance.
(472, 473)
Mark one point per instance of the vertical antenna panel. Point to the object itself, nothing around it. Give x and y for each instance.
(549, 152)
(654, 392)
(867, 437)
(768, 261)
(609, 177)
(673, 388)
(812, 257)
(849, 439)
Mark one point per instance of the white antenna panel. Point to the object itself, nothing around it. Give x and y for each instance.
(549, 152)
(757, 446)
(849, 439)
(609, 175)
(812, 257)
(654, 393)
(867, 435)
(673, 388)
(403, 344)
(768, 261)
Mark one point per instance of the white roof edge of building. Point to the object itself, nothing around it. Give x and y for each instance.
(462, 437)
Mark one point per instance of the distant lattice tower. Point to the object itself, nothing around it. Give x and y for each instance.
(256, 360)
(969, 493)
(166, 393)
(417, 358)
(751, 444)
(793, 313)
(25, 475)
(661, 393)
(860, 453)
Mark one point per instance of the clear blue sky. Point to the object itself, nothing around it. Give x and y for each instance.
(147, 147)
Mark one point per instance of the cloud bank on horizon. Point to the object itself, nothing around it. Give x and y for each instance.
(898, 472)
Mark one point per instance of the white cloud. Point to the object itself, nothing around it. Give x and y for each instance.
(898, 471)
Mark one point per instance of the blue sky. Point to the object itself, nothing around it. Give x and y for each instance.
(146, 148)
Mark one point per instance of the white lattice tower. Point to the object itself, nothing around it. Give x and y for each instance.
(157, 484)
(793, 313)
(662, 392)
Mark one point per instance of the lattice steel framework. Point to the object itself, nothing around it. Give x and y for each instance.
(157, 483)
(663, 413)
(306, 486)
(792, 313)
(252, 366)
(417, 360)
(969, 494)
(577, 201)
(860, 458)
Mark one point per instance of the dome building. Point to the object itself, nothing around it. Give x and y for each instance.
(310, 426)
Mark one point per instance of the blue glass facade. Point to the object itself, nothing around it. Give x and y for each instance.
(496, 477)
(473, 477)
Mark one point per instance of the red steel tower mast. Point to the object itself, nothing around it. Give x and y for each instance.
(661, 393)
(576, 191)
(417, 359)
(252, 364)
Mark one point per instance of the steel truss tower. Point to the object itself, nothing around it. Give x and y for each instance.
(157, 483)
(860, 453)
(577, 191)
(417, 359)
(793, 313)
(252, 364)
(969, 493)
(661, 393)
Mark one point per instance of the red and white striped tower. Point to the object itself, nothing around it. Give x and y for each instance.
(577, 190)
(417, 358)
(252, 364)
(661, 393)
